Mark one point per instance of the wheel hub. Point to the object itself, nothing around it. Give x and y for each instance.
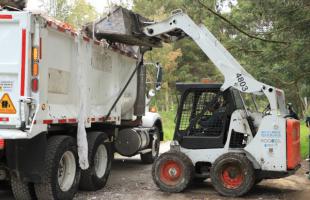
(232, 177)
(66, 171)
(101, 161)
(171, 172)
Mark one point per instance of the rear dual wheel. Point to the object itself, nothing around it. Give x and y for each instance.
(22, 190)
(100, 160)
(62, 174)
(232, 175)
(172, 171)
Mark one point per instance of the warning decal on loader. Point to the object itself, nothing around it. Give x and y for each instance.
(6, 105)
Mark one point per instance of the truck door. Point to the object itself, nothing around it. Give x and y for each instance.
(14, 40)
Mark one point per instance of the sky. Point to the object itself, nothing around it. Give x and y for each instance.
(100, 5)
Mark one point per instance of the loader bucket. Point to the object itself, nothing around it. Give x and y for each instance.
(122, 26)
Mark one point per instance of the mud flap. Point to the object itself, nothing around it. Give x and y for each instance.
(25, 157)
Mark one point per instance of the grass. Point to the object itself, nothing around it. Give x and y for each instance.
(169, 125)
(304, 141)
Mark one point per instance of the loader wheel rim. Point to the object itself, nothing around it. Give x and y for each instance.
(232, 177)
(170, 172)
(66, 171)
(101, 161)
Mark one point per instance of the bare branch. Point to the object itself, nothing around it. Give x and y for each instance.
(239, 29)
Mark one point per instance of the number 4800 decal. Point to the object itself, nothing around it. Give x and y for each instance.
(242, 82)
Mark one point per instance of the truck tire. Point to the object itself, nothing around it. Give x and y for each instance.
(22, 190)
(100, 159)
(232, 175)
(150, 157)
(172, 171)
(62, 172)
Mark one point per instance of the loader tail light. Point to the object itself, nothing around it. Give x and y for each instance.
(2, 144)
(35, 85)
(293, 143)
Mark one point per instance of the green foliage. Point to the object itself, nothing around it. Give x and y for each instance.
(168, 125)
(304, 140)
(75, 12)
(81, 14)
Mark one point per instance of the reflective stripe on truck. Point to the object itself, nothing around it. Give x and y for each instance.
(23, 64)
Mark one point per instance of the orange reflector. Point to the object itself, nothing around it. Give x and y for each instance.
(35, 69)
(153, 109)
(207, 81)
(2, 144)
(35, 85)
(35, 54)
(6, 105)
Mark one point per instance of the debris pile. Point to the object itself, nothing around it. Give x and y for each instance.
(19, 4)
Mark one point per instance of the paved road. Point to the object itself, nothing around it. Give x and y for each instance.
(131, 180)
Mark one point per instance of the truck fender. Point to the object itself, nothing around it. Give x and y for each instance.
(26, 157)
(153, 119)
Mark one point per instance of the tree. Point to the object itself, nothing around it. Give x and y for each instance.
(75, 12)
(270, 38)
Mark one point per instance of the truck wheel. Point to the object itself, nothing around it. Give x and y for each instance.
(100, 159)
(62, 173)
(172, 171)
(22, 190)
(150, 157)
(232, 175)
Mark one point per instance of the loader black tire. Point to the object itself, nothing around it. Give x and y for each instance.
(22, 190)
(172, 171)
(96, 176)
(150, 157)
(232, 175)
(61, 157)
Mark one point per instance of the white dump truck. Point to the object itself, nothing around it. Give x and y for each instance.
(67, 103)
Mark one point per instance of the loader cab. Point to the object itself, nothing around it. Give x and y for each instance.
(203, 115)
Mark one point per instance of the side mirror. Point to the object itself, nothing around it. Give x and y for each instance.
(159, 76)
(151, 93)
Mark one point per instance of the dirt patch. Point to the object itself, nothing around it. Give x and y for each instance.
(131, 180)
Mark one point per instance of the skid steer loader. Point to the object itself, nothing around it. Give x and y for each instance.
(216, 134)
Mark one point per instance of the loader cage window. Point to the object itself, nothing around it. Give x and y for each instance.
(198, 120)
(203, 119)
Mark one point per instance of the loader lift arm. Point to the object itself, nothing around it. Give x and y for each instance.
(180, 25)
